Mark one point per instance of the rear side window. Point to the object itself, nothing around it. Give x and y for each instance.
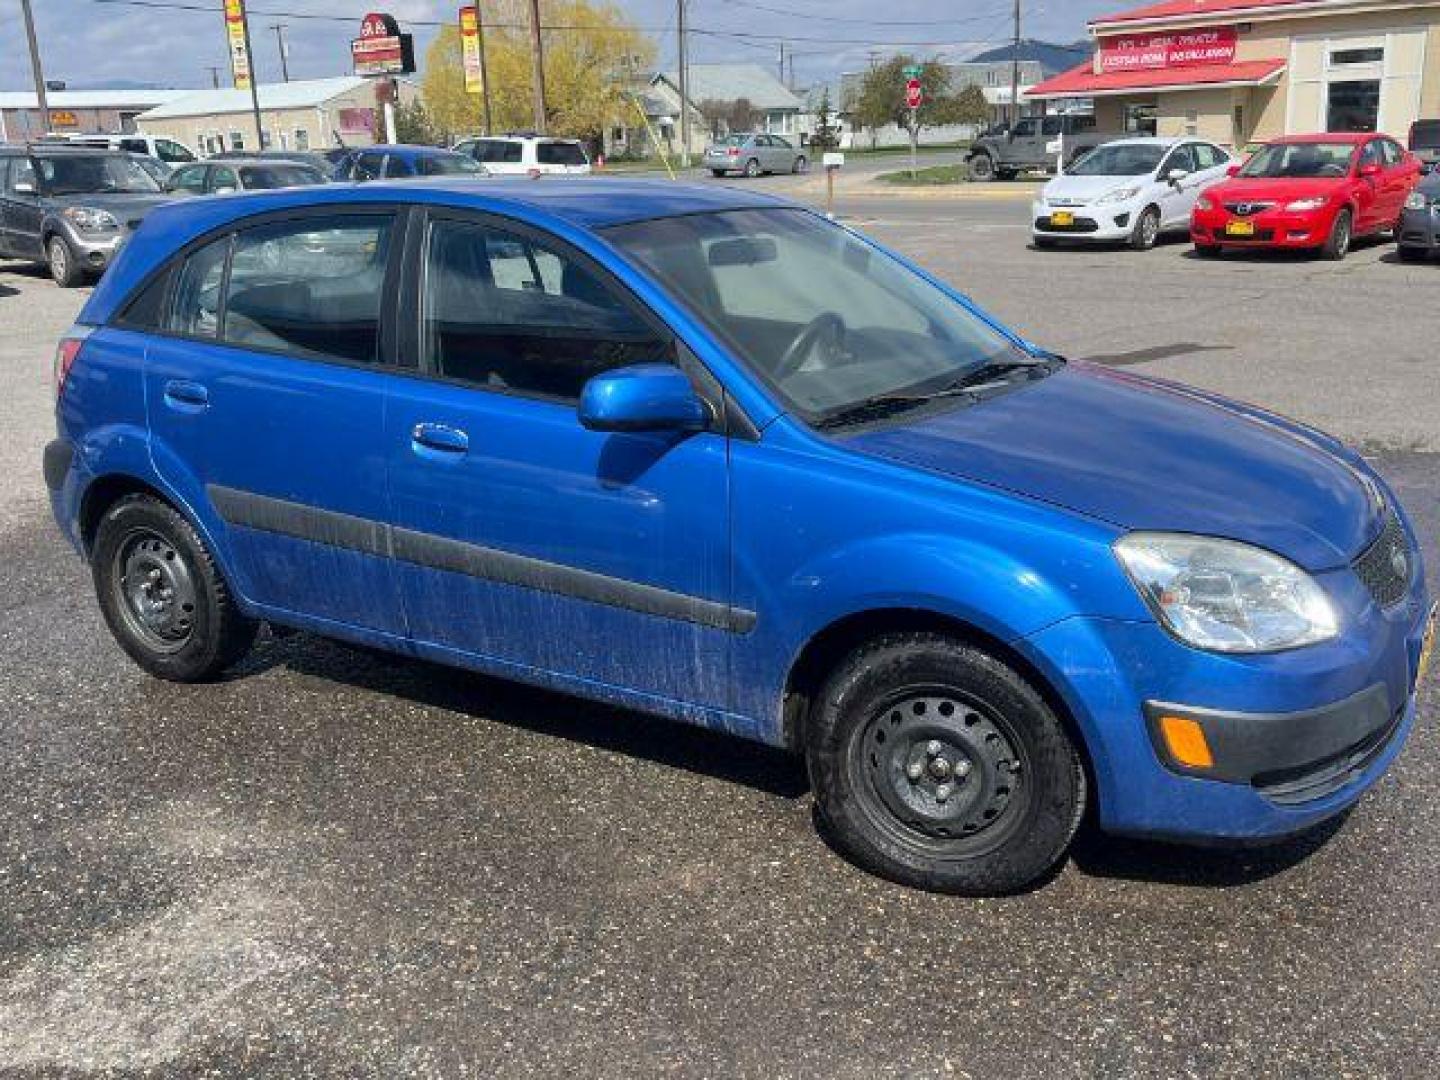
(191, 179)
(146, 309)
(398, 166)
(310, 288)
(502, 151)
(196, 310)
(507, 314)
(560, 153)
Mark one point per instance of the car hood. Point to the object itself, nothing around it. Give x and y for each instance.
(1091, 187)
(125, 207)
(1140, 454)
(1282, 189)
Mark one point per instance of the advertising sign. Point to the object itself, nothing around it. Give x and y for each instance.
(381, 49)
(63, 118)
(235, 33)
(357, 121)
(1148, 52)
(470, 49)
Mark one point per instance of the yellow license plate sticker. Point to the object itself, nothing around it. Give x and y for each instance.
(1240, 228)
(1062, 219)
(1427, 647)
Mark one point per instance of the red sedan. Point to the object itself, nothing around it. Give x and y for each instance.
(1316, 192)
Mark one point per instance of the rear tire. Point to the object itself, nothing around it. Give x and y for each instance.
(162, 593)
(64, 266)
(752, 168)
(801, 165)
(982, 168)
(1337, 245)
(717, 173)
(937, 766)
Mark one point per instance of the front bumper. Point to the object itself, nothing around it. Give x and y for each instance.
(1297, 737)
(1273, 229)
(1093, 224)
(95, 251)
(1421, 228)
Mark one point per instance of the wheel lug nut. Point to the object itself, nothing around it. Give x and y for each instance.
(915, 771)
(943, 793)
(933, 748)
(962, 768)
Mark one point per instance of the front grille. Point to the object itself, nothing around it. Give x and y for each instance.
(1248, 209)
(1260, 236)
(1082, 225)
(1386, 566)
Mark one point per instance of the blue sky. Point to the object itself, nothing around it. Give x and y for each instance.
(89, 40)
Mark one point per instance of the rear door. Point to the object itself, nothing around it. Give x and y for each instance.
(266, 397)
(1369, 190)
(1401, 175)
(521, 536)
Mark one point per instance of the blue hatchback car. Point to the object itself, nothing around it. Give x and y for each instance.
(707, 454)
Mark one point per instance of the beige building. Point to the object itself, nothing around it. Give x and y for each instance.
(314, 114)
(1244, 71)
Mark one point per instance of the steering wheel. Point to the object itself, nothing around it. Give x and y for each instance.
(827, 322)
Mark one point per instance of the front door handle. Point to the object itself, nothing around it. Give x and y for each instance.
(186, 396)
(439, 440)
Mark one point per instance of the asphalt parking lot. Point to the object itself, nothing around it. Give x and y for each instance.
(340, 864)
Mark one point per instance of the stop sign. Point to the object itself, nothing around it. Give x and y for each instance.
(914, 95)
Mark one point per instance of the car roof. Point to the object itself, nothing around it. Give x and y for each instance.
(233, 161)
(406, 148)
(1153, 140)
(1346, 137)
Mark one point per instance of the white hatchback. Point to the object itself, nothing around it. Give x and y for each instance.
(1129, 190)
(526, 155)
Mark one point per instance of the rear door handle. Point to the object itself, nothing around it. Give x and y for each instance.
(186, 396)
(439, 440)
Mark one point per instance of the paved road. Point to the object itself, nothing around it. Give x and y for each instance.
(338, 864)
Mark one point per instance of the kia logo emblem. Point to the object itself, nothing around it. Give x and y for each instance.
(1399, 563)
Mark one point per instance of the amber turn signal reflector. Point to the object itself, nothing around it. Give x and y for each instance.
(1186, 740)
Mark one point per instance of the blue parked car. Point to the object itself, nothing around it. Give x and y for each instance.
(707, 454)
(403, 161)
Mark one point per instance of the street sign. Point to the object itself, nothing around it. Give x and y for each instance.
(63, 118)
(239, 50)
(914, 94)
(833, 160)
(911, 71)
(381, 49)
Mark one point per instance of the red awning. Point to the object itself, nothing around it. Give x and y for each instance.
(1083, 82)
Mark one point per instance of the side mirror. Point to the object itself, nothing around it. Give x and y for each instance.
(1370, 170)
(224, 189)
(1232, 170)
(643, 397)
(1176, 175)
(22, 187)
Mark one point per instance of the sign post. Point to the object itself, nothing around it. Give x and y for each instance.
(914, 98)
(382, 50)
(833, 162)
(472, 56)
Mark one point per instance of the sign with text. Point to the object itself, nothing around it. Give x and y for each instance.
(381, 49)
(470, 49)
(235, 34)
(1149, 52)
(914, 94)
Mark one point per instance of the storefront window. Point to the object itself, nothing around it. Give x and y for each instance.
(1354, 106)
(1141, 119)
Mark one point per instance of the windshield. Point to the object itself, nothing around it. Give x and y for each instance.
(1118, 160)
(447, 165)
(91, 174)
(826, 320)
(1283, 160)
(734, 140)
(261, 177)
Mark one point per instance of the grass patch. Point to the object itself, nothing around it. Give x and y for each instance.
(930, 176)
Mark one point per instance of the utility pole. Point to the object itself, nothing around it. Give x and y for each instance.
(484, 71)
(790, 84)
(254, 79)
(279, 29)
(36, 67)
(1015, 72)
(537, 54)
(682, 29)
(782, 61)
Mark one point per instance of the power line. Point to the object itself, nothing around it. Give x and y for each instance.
(817, 17)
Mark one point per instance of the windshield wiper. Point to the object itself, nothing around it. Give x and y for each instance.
(887, 405)
(988, 374)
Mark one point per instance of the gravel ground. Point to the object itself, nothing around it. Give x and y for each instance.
(340, 864)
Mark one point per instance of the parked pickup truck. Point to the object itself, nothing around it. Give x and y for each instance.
(1029, 146)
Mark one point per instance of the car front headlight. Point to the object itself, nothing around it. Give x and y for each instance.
(1304, 206)
(1224, 596)
(1118, 195)
(1417, 201)
(1204, 203)
(88, 219)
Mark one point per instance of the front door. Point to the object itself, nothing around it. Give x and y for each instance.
(1370, 191)
(267, 392)
(23, 210)
(521, 536)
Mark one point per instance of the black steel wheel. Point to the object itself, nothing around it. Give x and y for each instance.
(162, 593)
(936, 765)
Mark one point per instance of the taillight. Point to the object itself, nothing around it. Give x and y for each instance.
(65, 354)
(734, 151)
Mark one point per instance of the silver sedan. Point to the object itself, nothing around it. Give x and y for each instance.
(752, 154)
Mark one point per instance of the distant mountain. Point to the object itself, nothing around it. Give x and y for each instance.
(1053, 58)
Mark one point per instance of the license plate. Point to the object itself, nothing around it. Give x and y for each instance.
(1240, 228)
(1427, 647)
(1062, 219)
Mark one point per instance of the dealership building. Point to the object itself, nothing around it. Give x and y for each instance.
(1244, 71)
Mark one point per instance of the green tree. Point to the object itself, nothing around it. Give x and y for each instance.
(882, 96)
(412, 125)
(826, 135)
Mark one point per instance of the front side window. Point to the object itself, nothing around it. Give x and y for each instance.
(311, 288)
(1208, 156)
(398, 167)
(172, 151)
(191, 179)
(368, 166)
(1025, 129)
(829, 322)
(505, 313)
(22, 171)
(266, 177)
(1182, 157)
(224, 179)
(1390, 153)
(448, 165)
(1286, 160)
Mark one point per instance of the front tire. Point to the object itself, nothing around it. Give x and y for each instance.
(1146, 233)
(801, 165)
(719, 174)
(982, 168)
(64, 267)
(1207, 251)
(162, 593)
(752, 168)
(937, 766)
(1337, 245)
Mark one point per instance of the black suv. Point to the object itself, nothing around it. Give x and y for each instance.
(69, 208)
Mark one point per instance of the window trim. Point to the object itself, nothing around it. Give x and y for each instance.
(388, 361)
